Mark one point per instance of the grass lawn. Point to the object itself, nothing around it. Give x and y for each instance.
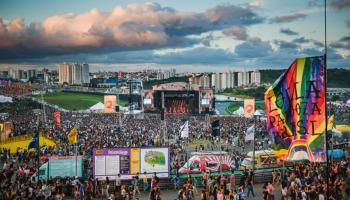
(76, 101)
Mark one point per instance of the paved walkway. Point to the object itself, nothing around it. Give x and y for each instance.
(172, 194)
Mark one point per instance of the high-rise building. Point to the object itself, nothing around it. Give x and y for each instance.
(73, 73)
(223, 80)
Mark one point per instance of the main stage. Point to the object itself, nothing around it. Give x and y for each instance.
(178, 98)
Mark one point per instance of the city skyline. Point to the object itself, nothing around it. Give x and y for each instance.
(209, 36)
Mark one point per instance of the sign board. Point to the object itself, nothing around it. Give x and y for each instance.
(129, 161)
(62, 166)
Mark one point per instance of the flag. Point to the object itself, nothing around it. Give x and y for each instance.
(330, 123)
(34, 143)
(57, 116)
(249, 107)
(73, 136)
(184, 130)
(215, 127)
(249, 133)
(295, 111)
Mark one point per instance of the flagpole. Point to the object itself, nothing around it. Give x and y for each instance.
(254, 148)
(76, 155)
(325, 86)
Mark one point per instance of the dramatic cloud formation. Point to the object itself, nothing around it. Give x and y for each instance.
(238, 33)
(288, 18)
(342, 43)
(340, 4)
(301, 40)
(287, 31)
(136, 26)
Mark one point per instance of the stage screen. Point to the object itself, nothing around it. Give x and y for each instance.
(110, 101)
(147, 101)
(155, 160)
(204, 101)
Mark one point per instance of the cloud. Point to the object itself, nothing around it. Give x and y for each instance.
(340, 4)
(342, 43)
(134, 27)
(254, 48)
(348, 23)
(238, 33)
(285, 45)
(288, 18)
(301, 40)
(287, 31)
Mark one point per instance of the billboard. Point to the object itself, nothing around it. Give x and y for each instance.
(110, 101)
(155, 160)
(249, 107)
(129, 161)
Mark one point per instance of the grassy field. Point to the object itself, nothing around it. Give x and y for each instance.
(76, 101)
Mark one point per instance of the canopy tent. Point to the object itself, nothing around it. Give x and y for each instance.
(239, 111)
(97, 107)
(4, 99)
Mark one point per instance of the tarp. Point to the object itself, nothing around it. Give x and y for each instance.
(4, 99)
(97, 107)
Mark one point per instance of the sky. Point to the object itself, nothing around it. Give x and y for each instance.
(193, 35)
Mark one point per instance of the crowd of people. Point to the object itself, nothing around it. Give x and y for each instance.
(97, 130)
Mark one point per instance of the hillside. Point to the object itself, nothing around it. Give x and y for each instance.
(336, 77)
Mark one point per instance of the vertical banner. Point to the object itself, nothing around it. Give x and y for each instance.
(134, 160)
(249, 107)
(57, 116)
(110, 102)
(295, 110)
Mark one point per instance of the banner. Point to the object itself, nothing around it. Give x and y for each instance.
(184, 130)
(134, 160)
(249, 133)
(57, 116)
(295, 109)
(110, 101)
(249, 107)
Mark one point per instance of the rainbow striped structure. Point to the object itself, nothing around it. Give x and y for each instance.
(295, 109)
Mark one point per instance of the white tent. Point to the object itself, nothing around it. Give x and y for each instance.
(97, 107)
(4, 99)
(239, 112)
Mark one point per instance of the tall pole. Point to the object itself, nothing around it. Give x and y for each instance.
(254, 147)
(325, 87)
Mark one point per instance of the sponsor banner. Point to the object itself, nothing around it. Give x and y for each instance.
(249, 107)
(110, 101)
(134, 160)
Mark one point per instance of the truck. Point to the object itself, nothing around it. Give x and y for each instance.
(263, 159)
